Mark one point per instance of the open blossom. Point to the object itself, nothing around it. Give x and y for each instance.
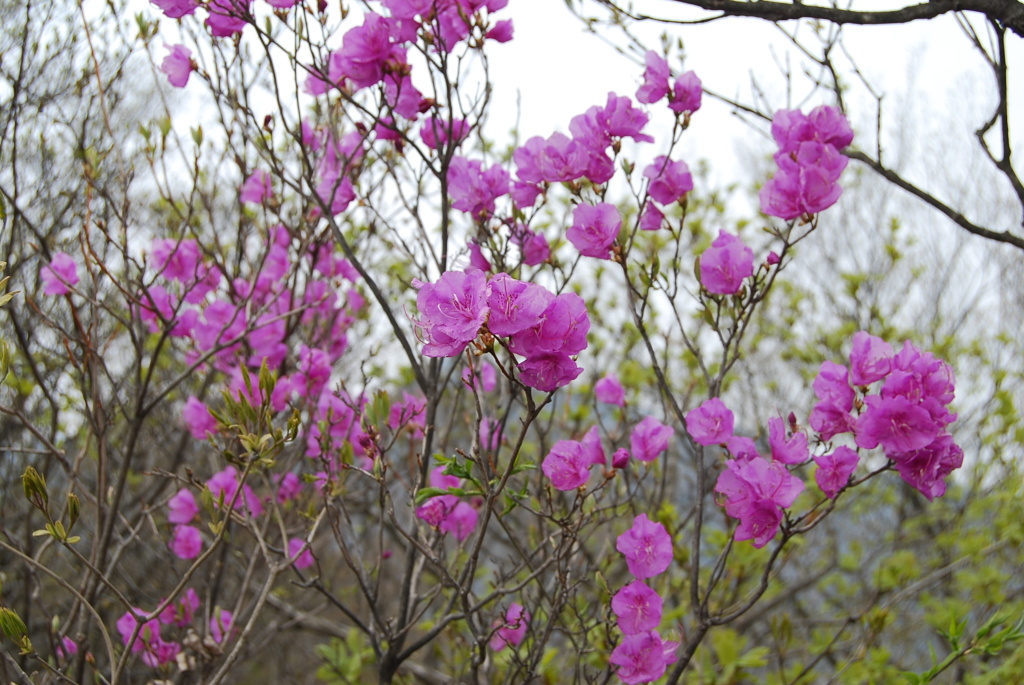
(176, 9)
(515, 305)
(367, 51)
(825, 124)
(555, 159)
(452, 310)
(298, 550)
(791, 450)
(227, 17)
(755, 492)
(642, 657)
(656, 76)
(187, 542)
(649, 439)
(155, 652)
(686, 94)
(711, 423)
(595, 229)
(197, 418)
(182, 508)
(177, 65)
(599, 127)
(256, 188)
(61, 273)
(512, 630)
(437, 133)
(670, 181)
(870, 359)
(566, 465)
(474, 190)
(562, 329)
(725, 265)
(461, 521)
(548, 371)
(610, 391)
(646, 546)
(637, 607)
(180, 612)
(834, 470)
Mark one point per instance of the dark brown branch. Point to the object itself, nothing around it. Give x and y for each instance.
(1008, 13)
(957, 218)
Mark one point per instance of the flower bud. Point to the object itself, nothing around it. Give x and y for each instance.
(35, 488)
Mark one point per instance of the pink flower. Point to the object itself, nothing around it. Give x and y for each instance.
(175, 9)
(66, 648)
(805, 183)
(643, 657)
(177, 65)
(187, 542)
(180, 613)
(484, 374)
(742, 448)
(60, 276)
(656, 76)
(896, 424)
(298, 550)
(512, 630)
(686, 94)
(437, 133)
(460, 521)
(598, 127)
(646, 546)
(155, 652)
(227, 17)
(502, 31)
(825, 124)
(637, 607)
(788, 451)
(182, 508)
(649, 439)
(725, 265)
(554, 159)
(256, 188)
(834, 470)
(515, 305)
(756, 491)
(220, 625)
(610, 391)
(925, 469)
(870, 359)
(595, 229)
(652, 218)
(452, 310)
(711, 423)
(548, 371)
(593, 451)
(197, 418)
(366, 51)
(562, 329)
(175, 259)
(670, 181)
(566, 465)
(620, 459)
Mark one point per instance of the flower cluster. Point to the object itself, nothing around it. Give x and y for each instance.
(685, 94)
(908, 416)
(809, 162)
(642, 655)
(544, 328)
(755, 490)
(148, 641)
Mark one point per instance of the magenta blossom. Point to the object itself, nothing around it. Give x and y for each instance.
(686, 94)
(177, 65)
(566, 465)
(670, 181)
(896, 424)
(870, 359)
(227, 17)
(512, 630)
(835, 469)
(548, 371)
(452, 310)
(176, 9)
(595, 229)
(60, 276)
(256, 188)
(182, 508)
(367, 51)
(461, 521)
(637, 607)
(643, 657)
(610, 391)
(656, 77)
(437, 133)
(725, 265)
(788, 450)
(711, 423)
(649, 439)
(187, 542)
(180, 613)
(515, 305)
(300, 552)
(197, 418)
(755, 493)
(646, 546)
